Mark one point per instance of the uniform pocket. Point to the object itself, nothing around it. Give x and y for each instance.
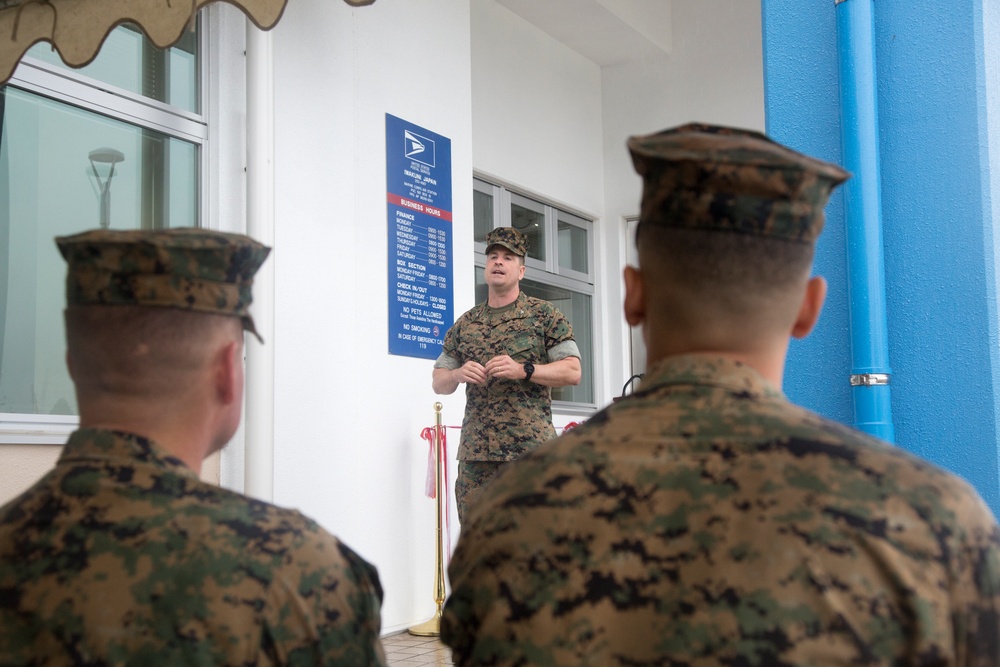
(523, 349)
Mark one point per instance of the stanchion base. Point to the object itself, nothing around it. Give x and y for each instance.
(431, 628)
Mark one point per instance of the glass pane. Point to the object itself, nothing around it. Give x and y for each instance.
(528, 217)
(64, 170)
(129, 61)
(572, 245)
(576, 306)
(482, 291)
(482, 215)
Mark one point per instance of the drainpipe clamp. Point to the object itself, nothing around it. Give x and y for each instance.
(869, 379)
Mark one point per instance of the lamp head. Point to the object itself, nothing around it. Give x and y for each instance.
(106, 156)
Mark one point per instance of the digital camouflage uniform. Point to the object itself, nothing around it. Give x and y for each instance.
(504, 418)
(121, 555)
(706, 521)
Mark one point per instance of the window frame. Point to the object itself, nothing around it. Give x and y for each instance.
(508, 199)
(580, 223)
(74, 88)
(548, 272)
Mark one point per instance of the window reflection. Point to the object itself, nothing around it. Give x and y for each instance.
(573, 250)
(528, 217)
(55, 167)
(482, 215)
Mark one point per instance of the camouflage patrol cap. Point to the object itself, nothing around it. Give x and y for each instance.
(509, 238)
(186, 268)
(720, 178)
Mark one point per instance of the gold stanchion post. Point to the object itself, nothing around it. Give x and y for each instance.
(432, 628)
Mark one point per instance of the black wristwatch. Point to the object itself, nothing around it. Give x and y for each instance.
(529, 368)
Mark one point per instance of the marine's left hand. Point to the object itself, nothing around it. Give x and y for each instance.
(504, 367)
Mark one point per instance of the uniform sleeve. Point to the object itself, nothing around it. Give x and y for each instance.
(567, 348)
(446, 361)
(324, 608)
(558, 331)
(449, 348)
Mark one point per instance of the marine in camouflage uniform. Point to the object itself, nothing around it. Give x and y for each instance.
(705, 520)
(121, 554)
(510, 350)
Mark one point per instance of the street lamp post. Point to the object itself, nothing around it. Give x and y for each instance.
(111, 157)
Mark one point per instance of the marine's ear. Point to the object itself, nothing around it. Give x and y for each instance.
(809, 310)
(635, 301)
(228, 366)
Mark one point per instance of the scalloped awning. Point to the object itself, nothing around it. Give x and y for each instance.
(77, 28)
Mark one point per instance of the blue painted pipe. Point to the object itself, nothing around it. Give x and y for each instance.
(870, 372)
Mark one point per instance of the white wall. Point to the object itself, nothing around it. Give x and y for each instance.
(536, 124)
(713, 74)
(536, 110)
(347, 414)
(22, 466)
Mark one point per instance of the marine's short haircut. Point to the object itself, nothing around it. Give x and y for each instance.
(727, 290)
(713, 260)
(137, 349)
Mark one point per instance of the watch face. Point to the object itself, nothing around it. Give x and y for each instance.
(529, 367)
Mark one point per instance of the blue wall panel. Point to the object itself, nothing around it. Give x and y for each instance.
(936, 266)
(938, 245)
(802, 110)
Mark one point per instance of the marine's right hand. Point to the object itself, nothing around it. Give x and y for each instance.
(472, 372)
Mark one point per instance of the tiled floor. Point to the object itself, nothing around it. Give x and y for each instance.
(405, 650)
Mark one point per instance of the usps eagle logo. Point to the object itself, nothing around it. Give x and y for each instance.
(418, 148)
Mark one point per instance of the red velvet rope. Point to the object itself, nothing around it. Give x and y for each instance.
(430, 489)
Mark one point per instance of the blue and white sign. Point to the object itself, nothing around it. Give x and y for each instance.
(418, 192)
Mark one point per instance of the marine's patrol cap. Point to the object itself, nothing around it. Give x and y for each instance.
(721, 178)
(509, 238)
(186, 268)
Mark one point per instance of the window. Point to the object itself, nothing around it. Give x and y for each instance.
(129, 62)
(559, 268)
(116, 144)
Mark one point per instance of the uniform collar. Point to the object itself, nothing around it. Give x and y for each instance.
(516, 308)
(708, 370)
(90, 444)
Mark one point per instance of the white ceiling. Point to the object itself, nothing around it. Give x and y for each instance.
(607, 32)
